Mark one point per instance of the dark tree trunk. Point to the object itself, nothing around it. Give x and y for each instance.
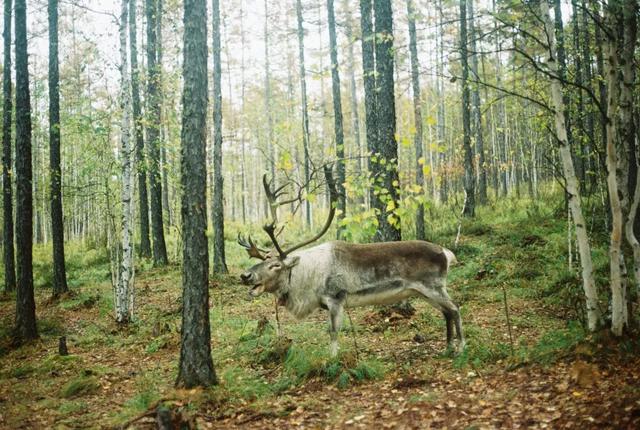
(145, 243)
(164, 170)
(196, 365)
(590, 164)
(628, 122)
(469, 176)
(417, 114)
(369, 78)
(477, 112)
(574, 144)
(341, 204)
(25, 303)
(355, 117)
(602, 90)
(219, 261)
(57, 228)
(388, 222)
(153, 137)
(305, 112)
(7, 192)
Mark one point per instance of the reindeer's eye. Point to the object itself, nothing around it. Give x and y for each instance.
(274, 266)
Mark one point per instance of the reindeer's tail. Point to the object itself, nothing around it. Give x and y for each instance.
(451, 257)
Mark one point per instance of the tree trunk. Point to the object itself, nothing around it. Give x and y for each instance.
(305, 112)
(57, 227)
(219, 261)
(7, 168)
(355, 116)
(124, 288)
(572, 187)
(196, 365)
(164, 169)
(477, 112)
(341, 204)
(243, 171)
(469, 175)
(369, 78)
(589, 162)
(153, 136)
(267, 97)
(25, 303)
(417, 117)
(145, 243)
(562, 74)
(388, 220)
(628, 130)
(444, 195)
(618, 303)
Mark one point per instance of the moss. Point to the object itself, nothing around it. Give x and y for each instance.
(79, 386)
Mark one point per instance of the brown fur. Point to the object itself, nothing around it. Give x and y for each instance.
(411, 259)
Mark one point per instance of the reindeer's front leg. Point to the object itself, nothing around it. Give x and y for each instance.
(335, 324)
(334, 303)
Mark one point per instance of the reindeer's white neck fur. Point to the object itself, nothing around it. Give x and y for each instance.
(307, 277)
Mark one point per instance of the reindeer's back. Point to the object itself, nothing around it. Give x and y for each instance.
(412, 259)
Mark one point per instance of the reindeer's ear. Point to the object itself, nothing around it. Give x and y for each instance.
(289, 262)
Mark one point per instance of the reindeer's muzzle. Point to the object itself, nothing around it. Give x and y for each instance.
(246, 277)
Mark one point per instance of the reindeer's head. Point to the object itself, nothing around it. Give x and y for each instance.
(270, 274)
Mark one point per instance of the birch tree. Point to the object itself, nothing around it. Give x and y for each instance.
(572, 186)
(124, 287)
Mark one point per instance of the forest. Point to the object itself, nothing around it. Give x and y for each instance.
(320, 214)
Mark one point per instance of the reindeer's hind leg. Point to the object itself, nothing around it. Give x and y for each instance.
(439, 298)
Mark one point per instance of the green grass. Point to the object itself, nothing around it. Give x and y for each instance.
(514, 244)
(79, 386)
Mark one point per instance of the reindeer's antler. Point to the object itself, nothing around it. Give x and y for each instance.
(273, 193)
(333, 198)
(251, 247)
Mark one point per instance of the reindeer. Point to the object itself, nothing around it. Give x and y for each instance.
(337, 275)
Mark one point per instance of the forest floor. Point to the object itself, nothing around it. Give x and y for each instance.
(551, 375)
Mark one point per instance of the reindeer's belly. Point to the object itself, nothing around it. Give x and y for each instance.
(382, 294)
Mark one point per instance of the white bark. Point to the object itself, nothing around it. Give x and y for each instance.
(124, 288)
(584, 248)
(626, 104)
(618, 302)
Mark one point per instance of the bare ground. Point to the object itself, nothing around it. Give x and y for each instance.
(130, 369)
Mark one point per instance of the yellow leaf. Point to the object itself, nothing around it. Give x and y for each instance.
(421, 161)
(391, 205)
(426, 170)
(431, 120)
(391, 219)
